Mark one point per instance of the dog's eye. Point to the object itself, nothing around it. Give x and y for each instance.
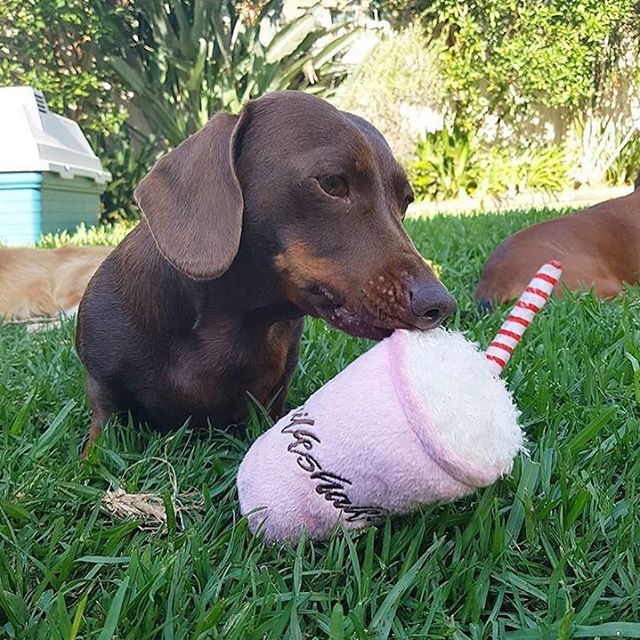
(335, 186)
(408, 199)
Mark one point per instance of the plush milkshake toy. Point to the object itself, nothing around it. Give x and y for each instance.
(420, 418)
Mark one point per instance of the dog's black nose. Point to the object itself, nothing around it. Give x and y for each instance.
(431, 303)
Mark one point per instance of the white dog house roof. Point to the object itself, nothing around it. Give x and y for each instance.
(34, 139)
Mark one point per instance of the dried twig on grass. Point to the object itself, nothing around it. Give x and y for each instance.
(148, 508)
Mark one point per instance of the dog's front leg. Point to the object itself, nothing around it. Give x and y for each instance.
(102, 407)
(277, 408)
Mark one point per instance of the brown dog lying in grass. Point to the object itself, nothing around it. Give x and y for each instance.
(39, 284)
(599, 249)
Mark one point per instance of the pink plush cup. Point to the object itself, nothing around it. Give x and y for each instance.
(366, 444)
(420, 418)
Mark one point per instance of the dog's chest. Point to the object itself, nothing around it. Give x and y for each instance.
(214, 371)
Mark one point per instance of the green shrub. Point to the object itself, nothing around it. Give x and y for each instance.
(499, 173)
(445, 166)
(130, 156)
(183, 61)
(397, 82)
(509, 58)
(175, 62)
(52, 47)
(450, 163)
(626, 167)
(542, 169)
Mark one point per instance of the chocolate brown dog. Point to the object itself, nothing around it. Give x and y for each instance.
(290, 208)
(599, 249)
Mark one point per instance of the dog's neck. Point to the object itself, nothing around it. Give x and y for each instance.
(250, 291)
(175, 300)
(252, 284)
(255, 297)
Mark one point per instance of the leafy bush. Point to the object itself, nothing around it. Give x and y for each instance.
(499, 173)
(395, 85)
(130, 157)
(182, 60)
(127, 70)
(52, 46)
(542, 169)
(445, 166)
(626, 166)
(506, 57)
(451, 163)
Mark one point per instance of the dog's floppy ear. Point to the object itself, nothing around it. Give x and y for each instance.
(193, 202)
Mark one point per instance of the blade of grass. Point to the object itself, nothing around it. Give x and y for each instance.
(113, 615)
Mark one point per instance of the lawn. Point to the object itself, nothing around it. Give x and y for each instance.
(550, 552)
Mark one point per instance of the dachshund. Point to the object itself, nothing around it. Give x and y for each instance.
(599, 249)
(290, 208)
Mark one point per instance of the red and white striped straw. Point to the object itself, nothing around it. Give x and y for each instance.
(533, 298)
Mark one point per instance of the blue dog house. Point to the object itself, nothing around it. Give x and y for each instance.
(50, 179)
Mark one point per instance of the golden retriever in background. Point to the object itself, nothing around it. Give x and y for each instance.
(39, 284)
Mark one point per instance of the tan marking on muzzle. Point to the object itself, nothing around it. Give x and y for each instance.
(302, 268)
(386, 296)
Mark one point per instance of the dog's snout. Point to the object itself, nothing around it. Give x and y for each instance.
(431, 303)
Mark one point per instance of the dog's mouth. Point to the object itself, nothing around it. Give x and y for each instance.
(333, 308)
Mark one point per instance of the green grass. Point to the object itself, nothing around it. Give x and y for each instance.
(550, 552)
